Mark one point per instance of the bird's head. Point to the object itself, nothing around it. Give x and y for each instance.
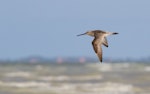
(90, 33)
(87, 33)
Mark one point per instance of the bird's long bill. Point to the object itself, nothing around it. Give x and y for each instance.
(81, 34)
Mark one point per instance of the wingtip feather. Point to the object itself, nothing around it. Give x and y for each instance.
(115, 33)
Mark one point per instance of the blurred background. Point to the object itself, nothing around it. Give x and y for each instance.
(41, 54)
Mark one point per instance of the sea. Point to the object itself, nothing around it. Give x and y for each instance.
(75, 78)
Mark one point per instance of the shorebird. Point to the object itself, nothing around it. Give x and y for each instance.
(100, 38)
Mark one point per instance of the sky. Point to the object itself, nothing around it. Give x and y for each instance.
(48, 28)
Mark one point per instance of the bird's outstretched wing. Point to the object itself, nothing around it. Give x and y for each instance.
(97, 47)
(105, 43)
(99, 54)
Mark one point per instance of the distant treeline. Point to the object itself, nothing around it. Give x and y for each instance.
(39, 59)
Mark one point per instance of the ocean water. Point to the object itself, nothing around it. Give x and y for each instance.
(75, 78)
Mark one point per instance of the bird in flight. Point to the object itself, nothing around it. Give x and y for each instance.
(99, 39)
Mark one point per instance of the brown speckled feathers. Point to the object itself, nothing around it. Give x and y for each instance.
(99, 39)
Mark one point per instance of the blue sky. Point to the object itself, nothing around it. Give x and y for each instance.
(49, 27)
